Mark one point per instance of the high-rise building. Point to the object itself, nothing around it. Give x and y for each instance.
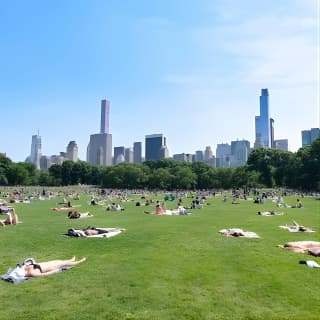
(185, 157)
(308, 136)
(281, 144)
(72, 151)
(128, 155)
(137, 152)
(262, 122)
(118, 154)
(45, 162)
(99, 150)
(207, 153)
(240, 151)
(198, 155)
(105, 110)
(35, 150)
(155, 147)
(223, 155)
(272, 145)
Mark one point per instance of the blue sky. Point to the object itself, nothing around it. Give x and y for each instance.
(192, 70)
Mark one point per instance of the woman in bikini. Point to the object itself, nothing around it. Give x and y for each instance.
(41, 269)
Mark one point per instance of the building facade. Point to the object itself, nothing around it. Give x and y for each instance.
(72, 151)
(155, 147)
(35, 154)
(281, 144)
(308, 136)
(223, 155)
(118, 154)
(137, 152)
(99, 150)
(262, 122)
(240, 151)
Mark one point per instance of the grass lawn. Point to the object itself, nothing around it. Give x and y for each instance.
(164, 267)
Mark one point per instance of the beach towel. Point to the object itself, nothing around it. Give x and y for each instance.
(109, 232)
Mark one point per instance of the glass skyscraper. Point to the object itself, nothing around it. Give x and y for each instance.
(156, 147)
(263, 134)
(36, 150)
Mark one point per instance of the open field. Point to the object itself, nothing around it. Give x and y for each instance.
(164, 267)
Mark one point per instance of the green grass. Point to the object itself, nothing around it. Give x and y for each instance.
(163, 267)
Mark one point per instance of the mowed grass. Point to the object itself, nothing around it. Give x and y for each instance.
(163, 267)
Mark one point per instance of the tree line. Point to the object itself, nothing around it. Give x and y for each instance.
(265, 168)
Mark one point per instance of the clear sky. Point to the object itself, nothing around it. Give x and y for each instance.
(190, 69)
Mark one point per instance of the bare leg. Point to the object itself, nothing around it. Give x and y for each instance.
(57, 264)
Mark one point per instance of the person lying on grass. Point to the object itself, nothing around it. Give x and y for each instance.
(175, 212)
(78, 215)
(297, 228)
(64, 209)
(29, 268)
(310, 247)
(269, 213)
(92, 232)
(237, 232)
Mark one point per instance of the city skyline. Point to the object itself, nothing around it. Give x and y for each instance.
(198, 66)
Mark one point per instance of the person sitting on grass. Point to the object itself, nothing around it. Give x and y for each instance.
(12, 218)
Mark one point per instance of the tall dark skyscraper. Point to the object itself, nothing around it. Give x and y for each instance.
(105, 110)
(156, 147)
(99, 149)
(35, 154)
(262, 122)
(118, 154)
(137, 152)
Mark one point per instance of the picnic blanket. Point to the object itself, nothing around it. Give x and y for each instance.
(105, 233)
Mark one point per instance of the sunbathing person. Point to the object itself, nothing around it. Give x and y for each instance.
(269, 213)
(236, 232)
(64, 209)
(310, 247)
(12, 218)
(32, 269)
(92, 231)
(297, 228)
(78, 215)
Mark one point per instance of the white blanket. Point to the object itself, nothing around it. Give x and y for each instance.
(110, 232)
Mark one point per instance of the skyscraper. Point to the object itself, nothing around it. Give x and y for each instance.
(118, 154)
(207, 153)
(240, 151)
(223, 155)
(281, 144)
(105, 110)
(128, 155)
(137, 152)
(35, 154)
(308, 136)
(156, 147)
(199, 155)
(72, 151)
(99, 150)
(262, 122)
